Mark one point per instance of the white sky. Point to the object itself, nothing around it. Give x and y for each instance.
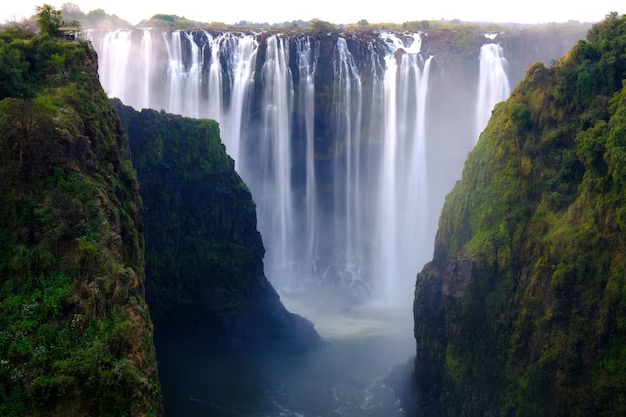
(338, 11)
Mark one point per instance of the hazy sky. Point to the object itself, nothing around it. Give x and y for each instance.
(337, 11)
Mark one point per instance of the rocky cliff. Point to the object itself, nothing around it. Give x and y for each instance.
(204, 255)
(75, 331)
(521, 311)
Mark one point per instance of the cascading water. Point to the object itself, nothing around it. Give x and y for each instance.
(116, 51)
(193, 79)
(306, 70)
(175, 71)
(215, 108)
(276, 211)
(146, 48)
(347, 113)
(387, 203)
(242, 67)
(493, 86)
(332, 147)
(403, 204)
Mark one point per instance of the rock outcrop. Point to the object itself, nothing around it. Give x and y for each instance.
(75, 331)
(204, 255)
(522, 310)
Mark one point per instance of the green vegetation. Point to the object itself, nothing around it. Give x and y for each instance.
(75, 332)
(204, 256)
(21, 28)
(191, 257)
(322, 26)
(49, 19)
(523, 310)
(175, 22)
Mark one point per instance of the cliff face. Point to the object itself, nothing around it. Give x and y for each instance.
(75, 331)
(204, 255)
(522, 310)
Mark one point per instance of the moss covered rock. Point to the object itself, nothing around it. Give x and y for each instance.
(75, 331)
(204, 255)
(522, 310)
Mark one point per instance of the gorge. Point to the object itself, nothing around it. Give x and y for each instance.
(237, 228)
(348, 144)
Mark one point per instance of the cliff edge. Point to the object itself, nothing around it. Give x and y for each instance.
(522, 311)
(204, 255)
(75, 331)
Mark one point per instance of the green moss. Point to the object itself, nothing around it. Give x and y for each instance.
(76, 337)
(539, 216)
(203, 252)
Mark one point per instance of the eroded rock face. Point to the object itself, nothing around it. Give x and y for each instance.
(520, 312)
(204, 256)
(75, 332)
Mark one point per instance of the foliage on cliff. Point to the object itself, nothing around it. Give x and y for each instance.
(204, 255)
(75, 332)
(522, 311)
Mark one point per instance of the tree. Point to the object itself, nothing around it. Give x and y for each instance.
(21, 28)
(14, 71)
(319, 25)
(71, 11)
(49, 19)
(363, 23)
(416, 25)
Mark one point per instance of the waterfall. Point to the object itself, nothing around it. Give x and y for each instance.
(146, 48)
(333, 147)
(347, 112)
(116, 51)
(215, 108)
(243, 62)
(403, 203)
(493, 85)
(193, 79)
(388, 202)
(306, 71)
(275, 154)
(175, 70)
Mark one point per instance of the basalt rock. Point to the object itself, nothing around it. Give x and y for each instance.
(521, 311)
(204, 256)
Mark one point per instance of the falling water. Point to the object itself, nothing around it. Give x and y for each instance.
(242, 65)
(277, 211)
(388, 202)
(347, 110)
(306, 70)
(175, 71)
(146, 47)
(493, 86)
(215, 108)
(342, 190)
(193, 78)
(402, 214)
(116, 48)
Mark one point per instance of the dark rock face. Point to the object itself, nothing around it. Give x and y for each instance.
(204, 255)
(522, 310)
(402, 382)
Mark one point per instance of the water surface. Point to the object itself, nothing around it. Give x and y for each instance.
(346, 377)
